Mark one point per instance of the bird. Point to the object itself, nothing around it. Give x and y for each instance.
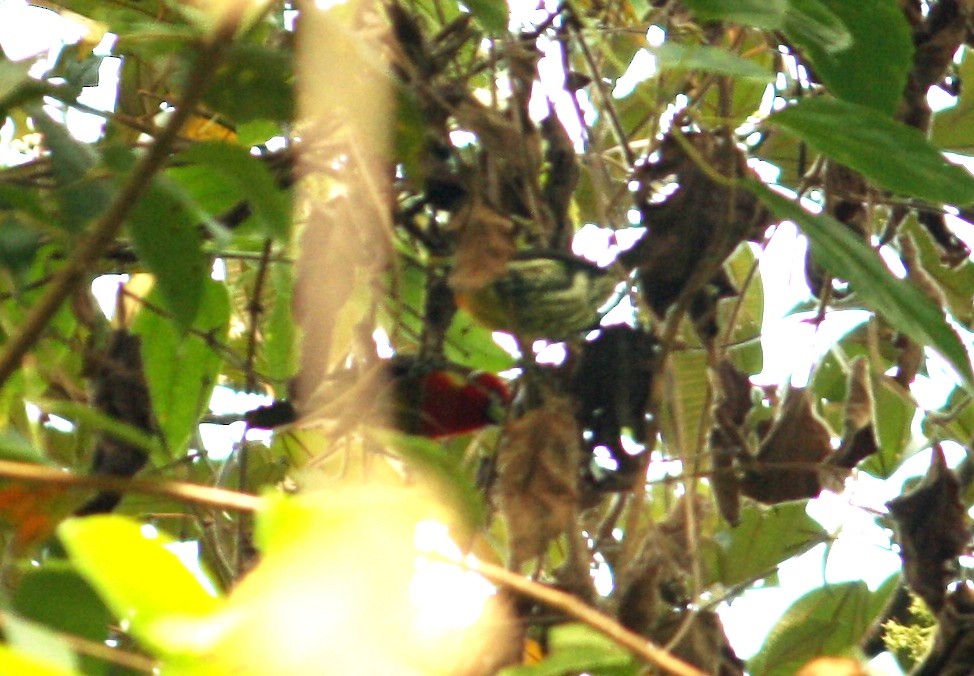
(544, 295)
(420, 399)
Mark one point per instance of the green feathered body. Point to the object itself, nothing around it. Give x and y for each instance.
(545, 295)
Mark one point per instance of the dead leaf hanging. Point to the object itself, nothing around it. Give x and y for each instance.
(931, 530)
(537, 466)
(858, 432)
(789, 460)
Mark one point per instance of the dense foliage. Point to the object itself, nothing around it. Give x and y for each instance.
(336, 207)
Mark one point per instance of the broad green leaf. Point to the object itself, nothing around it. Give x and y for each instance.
(870, 68)
(901, 303)
(18, 244)
(747, 312)
(257, 132)
(30, 638)
(686, 400)
(470, 344)
(16, 662)
(746, 94)
(13, 74)
(254, 83)
(828, 621)
(956, 281)
(813, 25)
(890, 153)
(764, 538)
(674, 56)
(953, 128)
(766, 14)
(492, 14)
(140, 580)
(576, 648)
(893, 424)
(167, 238)
(181, 368)
(252, 179)
(44, 593)
(280, 336)
(81, 196)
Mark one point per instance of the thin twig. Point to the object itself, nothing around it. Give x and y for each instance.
(635, 643)
(91, 247)
(180, 490)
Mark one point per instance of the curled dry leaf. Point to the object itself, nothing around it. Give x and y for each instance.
(536, 483)
(858, 433)
(931, 529)
(704, 644)
(727, 438)
(694, 228)
(656, 581)
(789, 461)
(485, 246)
(952, 653)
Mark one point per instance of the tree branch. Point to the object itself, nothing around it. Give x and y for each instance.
(180, 490)
(91, 247)
(635, 643)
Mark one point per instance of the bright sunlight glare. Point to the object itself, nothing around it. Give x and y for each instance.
(446, 598)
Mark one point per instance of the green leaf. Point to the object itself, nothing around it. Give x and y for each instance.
(764, 538)
(470, 344)
(164, 232)
(181, 368)
(18, 244)
(829, 620)
(251, 178)
(811, 24)
(44, 593)
(673, 56)
(34, 639)
(766, 14)
(953, 128)
(862, 50)
(901, 303)
(893, 423)
(254, 83)
(80, 196)
(892, 154)
(280, 335)
(492, 14)
(747, 312)
(13, 74)
(16, 662)
(141, 581)
(574, 648)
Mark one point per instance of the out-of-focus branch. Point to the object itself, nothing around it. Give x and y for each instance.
(106, 229)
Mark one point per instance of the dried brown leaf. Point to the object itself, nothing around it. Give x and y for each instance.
(931, 529)
(704, 644)
(733, 403)
(788, 463)
(485, 246)
(537, 467)
(858, 433)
